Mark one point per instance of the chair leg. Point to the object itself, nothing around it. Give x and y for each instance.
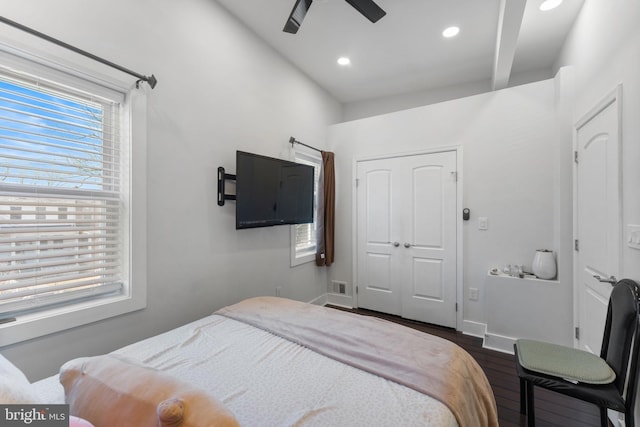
(629, 418)
(531, 417)
(523, 396)
(604, 418)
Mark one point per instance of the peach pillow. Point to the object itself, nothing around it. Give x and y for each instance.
(110, 391)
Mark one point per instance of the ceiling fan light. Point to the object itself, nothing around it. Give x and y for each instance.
(450, 32)
(549, 4)
(344, 61)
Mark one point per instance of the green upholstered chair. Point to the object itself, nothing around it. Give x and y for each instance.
(580, 374)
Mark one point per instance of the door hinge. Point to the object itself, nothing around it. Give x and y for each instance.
(456, 307)
(576, 245)
(575, 156)
(356, 290)
(577, 334)
(357, 181)
(454, 175)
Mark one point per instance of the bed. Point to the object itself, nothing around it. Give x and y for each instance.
(276, 362)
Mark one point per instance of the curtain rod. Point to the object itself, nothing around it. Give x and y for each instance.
(292, 141)
(151, 80)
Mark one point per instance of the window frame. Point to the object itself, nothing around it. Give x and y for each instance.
(299, 257)
(133, 125)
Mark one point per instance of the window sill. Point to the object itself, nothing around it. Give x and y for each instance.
(303, 259)
(35, 325)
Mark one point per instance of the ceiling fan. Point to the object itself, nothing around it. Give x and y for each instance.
(368, 8)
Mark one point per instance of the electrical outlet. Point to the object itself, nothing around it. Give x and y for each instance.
(473, 294)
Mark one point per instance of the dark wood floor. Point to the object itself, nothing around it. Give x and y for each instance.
(552, 409)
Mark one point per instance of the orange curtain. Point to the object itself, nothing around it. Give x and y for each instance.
(327, 211)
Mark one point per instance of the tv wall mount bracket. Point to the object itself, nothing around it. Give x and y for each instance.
(222, 178)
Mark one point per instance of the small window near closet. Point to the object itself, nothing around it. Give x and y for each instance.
(303, 236)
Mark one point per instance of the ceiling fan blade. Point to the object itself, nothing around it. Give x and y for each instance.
(368, 8)
(297, 15)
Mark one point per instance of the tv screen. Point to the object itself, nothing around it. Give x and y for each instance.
(271, 191)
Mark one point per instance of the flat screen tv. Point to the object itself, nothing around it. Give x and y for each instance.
(272, 191)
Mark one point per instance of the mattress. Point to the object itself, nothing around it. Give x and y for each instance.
(266, 380)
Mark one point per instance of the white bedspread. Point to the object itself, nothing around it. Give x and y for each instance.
(268, 381)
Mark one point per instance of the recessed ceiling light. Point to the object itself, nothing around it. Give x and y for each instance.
(549, 4)
(450, 32)
(343, 60)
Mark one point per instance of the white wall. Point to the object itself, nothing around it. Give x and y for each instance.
(388, 104)
(220, 89)
(510, 140)
(373, 107)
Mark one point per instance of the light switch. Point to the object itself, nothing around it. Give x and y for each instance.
(633, 236)
(483, 223)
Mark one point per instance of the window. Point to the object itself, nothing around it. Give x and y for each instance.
(65, 206)
(303, 236)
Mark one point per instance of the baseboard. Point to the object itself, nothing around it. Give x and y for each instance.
(498, 343)
(333, 299)
(321, 300)
(489, 341)
(340, 300)
(475, 329)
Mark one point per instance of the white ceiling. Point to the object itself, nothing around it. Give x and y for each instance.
(405, 52)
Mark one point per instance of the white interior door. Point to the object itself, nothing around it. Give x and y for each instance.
(597, 219)
(429, 239)
(407, 244)
(378, 263)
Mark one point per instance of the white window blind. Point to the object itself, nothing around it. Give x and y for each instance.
(305, 237)
(61, 210)
(305, 240)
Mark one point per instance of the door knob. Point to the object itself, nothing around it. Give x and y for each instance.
(396, 244)
(611, 279)
(407, 245)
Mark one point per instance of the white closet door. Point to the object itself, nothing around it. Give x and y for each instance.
(429, 247)
(407, 254)
(378, 228)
